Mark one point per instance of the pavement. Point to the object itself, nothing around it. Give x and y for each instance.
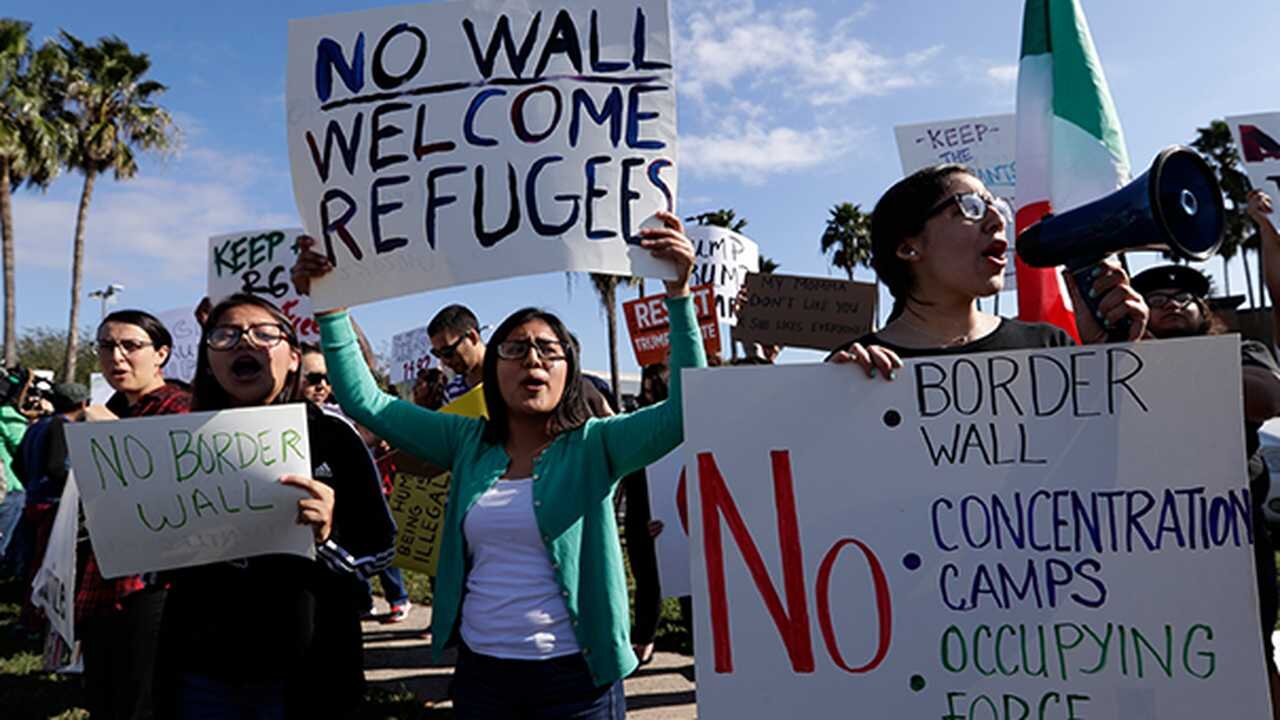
(398, 657)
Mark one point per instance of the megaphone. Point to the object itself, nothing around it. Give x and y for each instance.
(1176, 205)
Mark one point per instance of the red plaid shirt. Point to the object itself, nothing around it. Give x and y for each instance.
(95, 595)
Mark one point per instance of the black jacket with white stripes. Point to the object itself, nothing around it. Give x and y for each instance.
(282, 618)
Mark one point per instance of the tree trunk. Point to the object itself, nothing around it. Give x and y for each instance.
(611, 317)
(77, 272)
(6, 249)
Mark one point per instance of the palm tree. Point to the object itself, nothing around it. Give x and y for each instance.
(115, 114)
(607, 288)
(725, 218)
(847, 237)
(31, 140)
(768, 265)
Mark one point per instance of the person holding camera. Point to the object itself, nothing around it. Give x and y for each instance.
(939, 242)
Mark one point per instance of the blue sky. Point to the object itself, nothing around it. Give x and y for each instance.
(786, 108)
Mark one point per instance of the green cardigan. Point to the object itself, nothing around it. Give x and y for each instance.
(574, 480)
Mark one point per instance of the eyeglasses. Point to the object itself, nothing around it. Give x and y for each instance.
(128, 347)
(549, 350)
(315, 378)
(448, 351)
(264, 335)
(974, 206)
(1180, 299)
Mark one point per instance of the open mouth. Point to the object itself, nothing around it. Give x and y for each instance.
(245, 367)
(533, 384)
(995, 252)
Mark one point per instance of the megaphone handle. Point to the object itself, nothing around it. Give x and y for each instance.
(1083, 278)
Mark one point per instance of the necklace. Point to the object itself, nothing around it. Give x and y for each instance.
(909, 319)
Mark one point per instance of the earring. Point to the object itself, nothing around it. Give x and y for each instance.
(911, 252)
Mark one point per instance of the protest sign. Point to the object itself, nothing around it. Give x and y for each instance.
(182, 326)
(420, 495)
(722, 259)
(54, 587)
(410, 352)
(647, 322)
(453, 142)
(986, 145)
(808, 312)
(100, 391)
(179, 490)
(1013, 535)
(258, 262)
(1258, 142)
(668, 504)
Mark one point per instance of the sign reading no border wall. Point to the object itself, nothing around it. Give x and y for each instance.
(1030, 534)
(448, 143)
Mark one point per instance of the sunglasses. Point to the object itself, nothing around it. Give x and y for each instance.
(1181, 299)
(973, 206)
(315, 378)
(449, 350)
(549, 350)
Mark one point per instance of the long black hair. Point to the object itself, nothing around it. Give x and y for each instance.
(570, 413)
(156, 332)
(899, 214)
(207, 393)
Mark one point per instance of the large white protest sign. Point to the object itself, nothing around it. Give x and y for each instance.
(668, 504)
(182, 326)
(723, 259)
(258, 262)
(1060, 533)
(54, 587)
(448, 143)
(983, 144)
(410, 352)
(1258, 142)
(179, 490)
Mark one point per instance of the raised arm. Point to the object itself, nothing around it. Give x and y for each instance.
(430, 435)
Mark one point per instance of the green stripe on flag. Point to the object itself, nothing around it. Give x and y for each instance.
(1080, 94)
(1035, 28)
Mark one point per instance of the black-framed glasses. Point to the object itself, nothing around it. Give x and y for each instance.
(1178, 299)
(128, 347)
(264, 335)
(448, 351)
(549, 350)
(315, 378)
(973, 206)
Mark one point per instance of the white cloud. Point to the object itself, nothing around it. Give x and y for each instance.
(153, 229)
(726, 42)
(751, 151)
(1003, 74)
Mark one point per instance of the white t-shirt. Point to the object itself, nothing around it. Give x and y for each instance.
(513, 607)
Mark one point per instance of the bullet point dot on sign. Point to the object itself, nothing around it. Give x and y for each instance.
(917, 682)
(893, 418)
(911, 561)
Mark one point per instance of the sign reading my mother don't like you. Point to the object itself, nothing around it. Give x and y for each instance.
(179, 490)
(453, 142)
(1059, 533)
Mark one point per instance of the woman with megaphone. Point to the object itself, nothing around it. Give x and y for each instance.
(939, 243)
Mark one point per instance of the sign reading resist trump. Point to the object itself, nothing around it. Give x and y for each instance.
(448, 143)
(1036, 534)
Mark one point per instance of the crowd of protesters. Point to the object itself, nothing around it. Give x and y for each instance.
(531, 589)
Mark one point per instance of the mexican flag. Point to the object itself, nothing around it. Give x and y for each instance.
(1070, 148)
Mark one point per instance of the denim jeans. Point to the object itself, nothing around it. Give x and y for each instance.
(201, 697)
(393, 585)
(10, 513)
(489, 688)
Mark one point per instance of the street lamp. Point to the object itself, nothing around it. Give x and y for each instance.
(108, 296)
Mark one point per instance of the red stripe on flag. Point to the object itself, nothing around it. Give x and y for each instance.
(1039, 291)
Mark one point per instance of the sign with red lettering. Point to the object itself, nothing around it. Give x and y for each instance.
(647, 322)
(1258, 142)
(410, 353)
(258, 262)
(1058, 533)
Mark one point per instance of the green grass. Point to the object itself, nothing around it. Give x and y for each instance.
(26, 690)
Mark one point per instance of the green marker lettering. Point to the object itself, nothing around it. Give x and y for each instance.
(133, 466)
(112, 460)
(164, 519)
(196, 497)
(241, 439)
(290, 438)
(222, 447)
(266, 448)
(248, 499)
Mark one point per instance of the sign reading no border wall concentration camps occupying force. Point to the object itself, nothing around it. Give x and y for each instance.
(447, 143)
(179, 490)
(257, 262)
(1034, 534)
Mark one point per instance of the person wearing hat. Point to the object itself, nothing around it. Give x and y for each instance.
(1179, 300)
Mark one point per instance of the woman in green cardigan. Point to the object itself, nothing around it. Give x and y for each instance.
(530, 583)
